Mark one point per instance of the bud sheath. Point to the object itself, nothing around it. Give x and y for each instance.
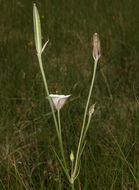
(37, 29)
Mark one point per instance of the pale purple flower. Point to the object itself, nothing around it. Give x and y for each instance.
(59, 100)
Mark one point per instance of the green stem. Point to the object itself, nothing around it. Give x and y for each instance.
(47, 92)
(72, 186)
(86, 129)
(53, 112)
(60, 136)
(90, 92)
(59, 123)
(84, 119)
(83, 138)
(71, 168)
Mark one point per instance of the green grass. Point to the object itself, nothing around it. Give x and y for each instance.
(27, 133)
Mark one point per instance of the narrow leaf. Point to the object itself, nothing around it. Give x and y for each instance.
(44, 46)
(61, 164)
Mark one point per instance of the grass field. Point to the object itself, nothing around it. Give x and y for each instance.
(27, 134)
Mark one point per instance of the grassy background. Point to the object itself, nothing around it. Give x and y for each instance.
(27, 134)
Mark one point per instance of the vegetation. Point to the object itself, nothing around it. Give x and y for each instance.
(27, 133)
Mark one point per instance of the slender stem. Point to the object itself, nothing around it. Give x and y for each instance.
(60, 136)
(53, 112)
(90, 92)
(84, 119)
(86, 128)
(71, 168)
(59, 123)
(47, 92)
(83, 138)
(72, 186)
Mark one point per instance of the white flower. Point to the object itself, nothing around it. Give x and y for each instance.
(59, 100)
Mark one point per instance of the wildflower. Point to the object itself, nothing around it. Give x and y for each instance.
(42, 17)
(58, 100)
(96, 47)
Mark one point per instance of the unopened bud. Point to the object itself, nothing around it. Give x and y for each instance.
(71, 156)
(37, 29)
(96, 46)
(92, 109)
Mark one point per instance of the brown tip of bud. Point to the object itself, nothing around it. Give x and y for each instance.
(96, 46)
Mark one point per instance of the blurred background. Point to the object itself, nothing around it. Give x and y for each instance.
(27, 132)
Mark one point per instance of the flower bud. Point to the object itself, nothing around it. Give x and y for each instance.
(96, 47)
(71, 156)
(92, 109)
(37, 29)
